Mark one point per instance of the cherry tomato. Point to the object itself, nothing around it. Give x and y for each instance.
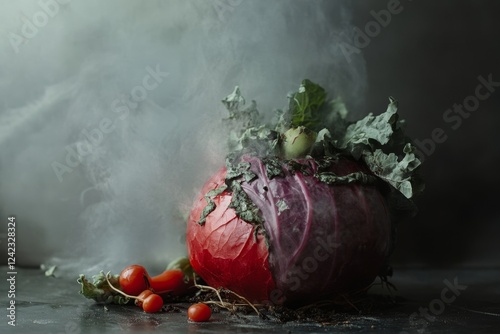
(152, 303)
(134, 279)
(199, 312)
(143, 295)
(169, 281)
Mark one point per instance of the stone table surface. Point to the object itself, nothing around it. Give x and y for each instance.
(430, 301)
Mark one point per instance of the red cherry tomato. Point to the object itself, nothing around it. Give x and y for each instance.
(143, 295)
(153, 303)
(199, 312)
(134, 279)
(169, 281)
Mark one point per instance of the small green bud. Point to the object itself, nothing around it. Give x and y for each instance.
(297, 142)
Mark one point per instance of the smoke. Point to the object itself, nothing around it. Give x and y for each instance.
(110, 112)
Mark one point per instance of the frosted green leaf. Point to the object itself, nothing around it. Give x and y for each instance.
(356, 177)
(210, 203)
(370, 130)
(233, 101)
(397, 173)
(282, 206)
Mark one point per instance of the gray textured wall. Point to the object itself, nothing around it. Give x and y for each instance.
(130, 193)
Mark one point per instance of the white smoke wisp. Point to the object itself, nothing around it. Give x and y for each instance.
(109, 121)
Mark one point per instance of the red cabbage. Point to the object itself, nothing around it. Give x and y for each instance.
(304, 209)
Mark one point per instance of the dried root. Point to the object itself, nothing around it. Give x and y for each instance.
(231, 306)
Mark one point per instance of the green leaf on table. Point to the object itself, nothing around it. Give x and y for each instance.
(100, 291)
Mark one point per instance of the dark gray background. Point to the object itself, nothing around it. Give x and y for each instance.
(429, 58)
